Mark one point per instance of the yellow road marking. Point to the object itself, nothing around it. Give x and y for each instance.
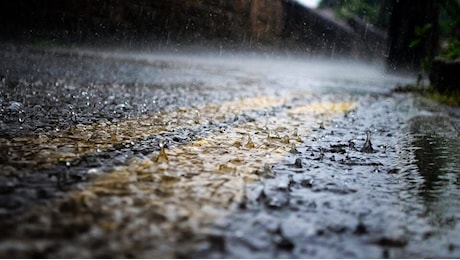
(46, 149)
(198, 182)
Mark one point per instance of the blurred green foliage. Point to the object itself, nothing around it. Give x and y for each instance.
(449, 20)
(452, 50)
(451, 98)
(376, 12)
(420, 34)
(449, 23)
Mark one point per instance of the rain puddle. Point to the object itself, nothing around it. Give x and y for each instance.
(432, 173)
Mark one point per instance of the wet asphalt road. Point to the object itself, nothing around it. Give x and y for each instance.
(109, 153)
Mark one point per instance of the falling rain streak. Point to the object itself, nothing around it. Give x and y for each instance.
(117, 154)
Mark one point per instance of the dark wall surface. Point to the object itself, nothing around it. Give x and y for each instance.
(239, 23)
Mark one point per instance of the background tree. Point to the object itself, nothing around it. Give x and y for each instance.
(449, 23)
(416, 30)
(375, 12)
(413, 34)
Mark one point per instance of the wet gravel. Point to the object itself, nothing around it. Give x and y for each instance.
(328, 198)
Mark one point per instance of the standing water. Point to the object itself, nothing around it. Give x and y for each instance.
(220, 155)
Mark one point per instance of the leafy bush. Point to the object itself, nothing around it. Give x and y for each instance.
(452, 50)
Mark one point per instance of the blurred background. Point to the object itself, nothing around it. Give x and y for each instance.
(406, 33)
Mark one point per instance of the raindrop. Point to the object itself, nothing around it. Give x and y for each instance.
(298, 163)
(321, 125)
(121, 107)
(285, 139)
(294, 149)
(94, 172)
(42, 138)
(21, 118)
(351, 144)
(367, 147)
(250, 144)
(321, 154)
(162, 157)
(266, 172)
(266, 116)
(307, 183)
(237, 144)
(296, 132)
(197, 117)
(227, 169)
(14, 106)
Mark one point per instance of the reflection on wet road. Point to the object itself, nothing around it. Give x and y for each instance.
(119, 154)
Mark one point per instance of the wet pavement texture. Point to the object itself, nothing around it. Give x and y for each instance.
(110, 153)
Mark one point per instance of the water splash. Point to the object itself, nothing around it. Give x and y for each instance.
(367, 147)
